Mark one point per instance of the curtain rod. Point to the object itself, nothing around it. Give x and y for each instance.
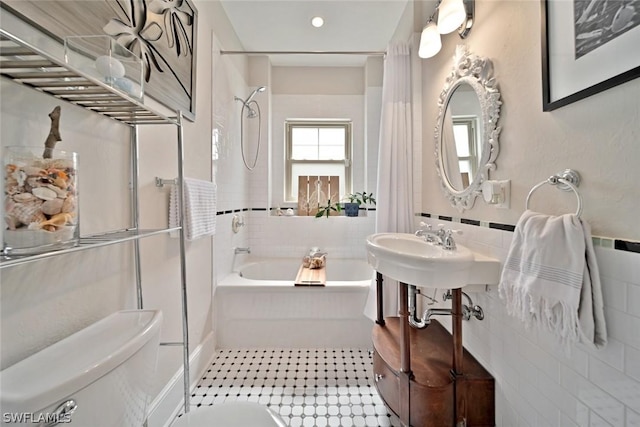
(300, 52)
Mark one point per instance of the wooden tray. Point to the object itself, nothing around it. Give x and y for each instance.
(311, 277)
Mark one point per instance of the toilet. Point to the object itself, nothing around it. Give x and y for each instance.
(103, 376)
(99, 376)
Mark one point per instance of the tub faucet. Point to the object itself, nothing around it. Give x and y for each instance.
(237, 251)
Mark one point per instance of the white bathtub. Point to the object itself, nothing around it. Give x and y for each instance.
(258, 306)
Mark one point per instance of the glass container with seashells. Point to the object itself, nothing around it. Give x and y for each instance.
(41, 200)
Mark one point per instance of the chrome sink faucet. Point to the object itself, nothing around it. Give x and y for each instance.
(425, 231)
(441, 237)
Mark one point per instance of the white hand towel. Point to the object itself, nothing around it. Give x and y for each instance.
(200, 208)
(550, 278)
(593, 330)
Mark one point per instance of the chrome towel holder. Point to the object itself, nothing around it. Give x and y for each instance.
(568, 180)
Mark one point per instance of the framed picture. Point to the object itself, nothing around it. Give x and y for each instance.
(162, 33)
(588, 46)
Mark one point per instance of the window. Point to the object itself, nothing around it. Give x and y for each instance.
(317, 148)
(464, 130)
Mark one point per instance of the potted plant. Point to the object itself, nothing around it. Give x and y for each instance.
(328, 208)
(352, 207)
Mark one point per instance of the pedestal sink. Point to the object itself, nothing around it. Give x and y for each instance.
(424, 375)
(412, 260)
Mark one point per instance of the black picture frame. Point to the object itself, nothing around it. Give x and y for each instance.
(606, 79)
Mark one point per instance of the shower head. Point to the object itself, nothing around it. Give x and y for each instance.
(260, 89)
(251, 112)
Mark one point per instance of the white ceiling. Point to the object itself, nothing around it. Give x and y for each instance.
(285, 25)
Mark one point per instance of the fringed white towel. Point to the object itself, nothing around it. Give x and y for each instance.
(200, 208)
(550, 279)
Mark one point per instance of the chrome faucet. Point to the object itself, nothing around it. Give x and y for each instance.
(425, 231)
(447, 241)
(237, 251)
(442, 237)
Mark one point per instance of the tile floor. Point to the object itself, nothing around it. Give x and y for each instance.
(307, 387)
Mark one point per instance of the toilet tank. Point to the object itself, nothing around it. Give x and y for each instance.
(106, 370)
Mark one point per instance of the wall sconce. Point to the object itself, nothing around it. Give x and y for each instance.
(448, 16)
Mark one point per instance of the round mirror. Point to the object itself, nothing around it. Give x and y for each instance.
(466, 135)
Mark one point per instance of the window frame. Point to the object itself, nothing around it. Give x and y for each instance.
(471, 123)
(289, 125)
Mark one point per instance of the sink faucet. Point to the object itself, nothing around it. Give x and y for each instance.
(425, 231)
(442, 237)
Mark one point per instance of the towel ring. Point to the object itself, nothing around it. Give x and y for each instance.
(566, 181)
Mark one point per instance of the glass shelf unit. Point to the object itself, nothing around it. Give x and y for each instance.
(34, 59)
(29, 65)
(87, 242)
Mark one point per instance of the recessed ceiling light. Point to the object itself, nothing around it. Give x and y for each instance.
(317, 21)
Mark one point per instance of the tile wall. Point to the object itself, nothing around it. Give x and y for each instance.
(537, 384)
(282, 236)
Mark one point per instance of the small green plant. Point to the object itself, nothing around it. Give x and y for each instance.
(328, 208)
(361, 198)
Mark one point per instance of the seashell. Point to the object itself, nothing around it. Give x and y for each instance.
(11, 221)
(61, 194)
(34, 226)
(60, 182)
(34, 171)
(317, 262)
(55, 172)
(44, 193)
(69, 204)
(52, 207)
(62, 164)
(24, 197)
(9, 203)
(26, 213)
(20, 176)
(11, 186)
(58, 220)
(36, 181)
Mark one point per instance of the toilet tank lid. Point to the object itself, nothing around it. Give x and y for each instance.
(76, 361)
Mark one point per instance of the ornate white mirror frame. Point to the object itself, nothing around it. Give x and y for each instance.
(477, 72)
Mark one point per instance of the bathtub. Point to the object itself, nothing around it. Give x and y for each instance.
(258, 306)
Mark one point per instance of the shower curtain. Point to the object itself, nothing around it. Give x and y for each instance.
(450, 152)
(394, 208)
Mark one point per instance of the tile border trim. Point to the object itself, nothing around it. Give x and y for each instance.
(605, 242)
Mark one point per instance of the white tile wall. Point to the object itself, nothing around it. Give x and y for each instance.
(282, 236)
(537, 384)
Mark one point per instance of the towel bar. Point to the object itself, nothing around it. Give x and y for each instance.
(568, 180)
(160, 182)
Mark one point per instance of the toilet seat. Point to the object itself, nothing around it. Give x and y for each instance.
(231, 414)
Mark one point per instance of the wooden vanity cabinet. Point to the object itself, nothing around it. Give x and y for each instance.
(425, 390)
(431, 385)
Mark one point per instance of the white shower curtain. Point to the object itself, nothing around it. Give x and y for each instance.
(450, 152)
(394, 209)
